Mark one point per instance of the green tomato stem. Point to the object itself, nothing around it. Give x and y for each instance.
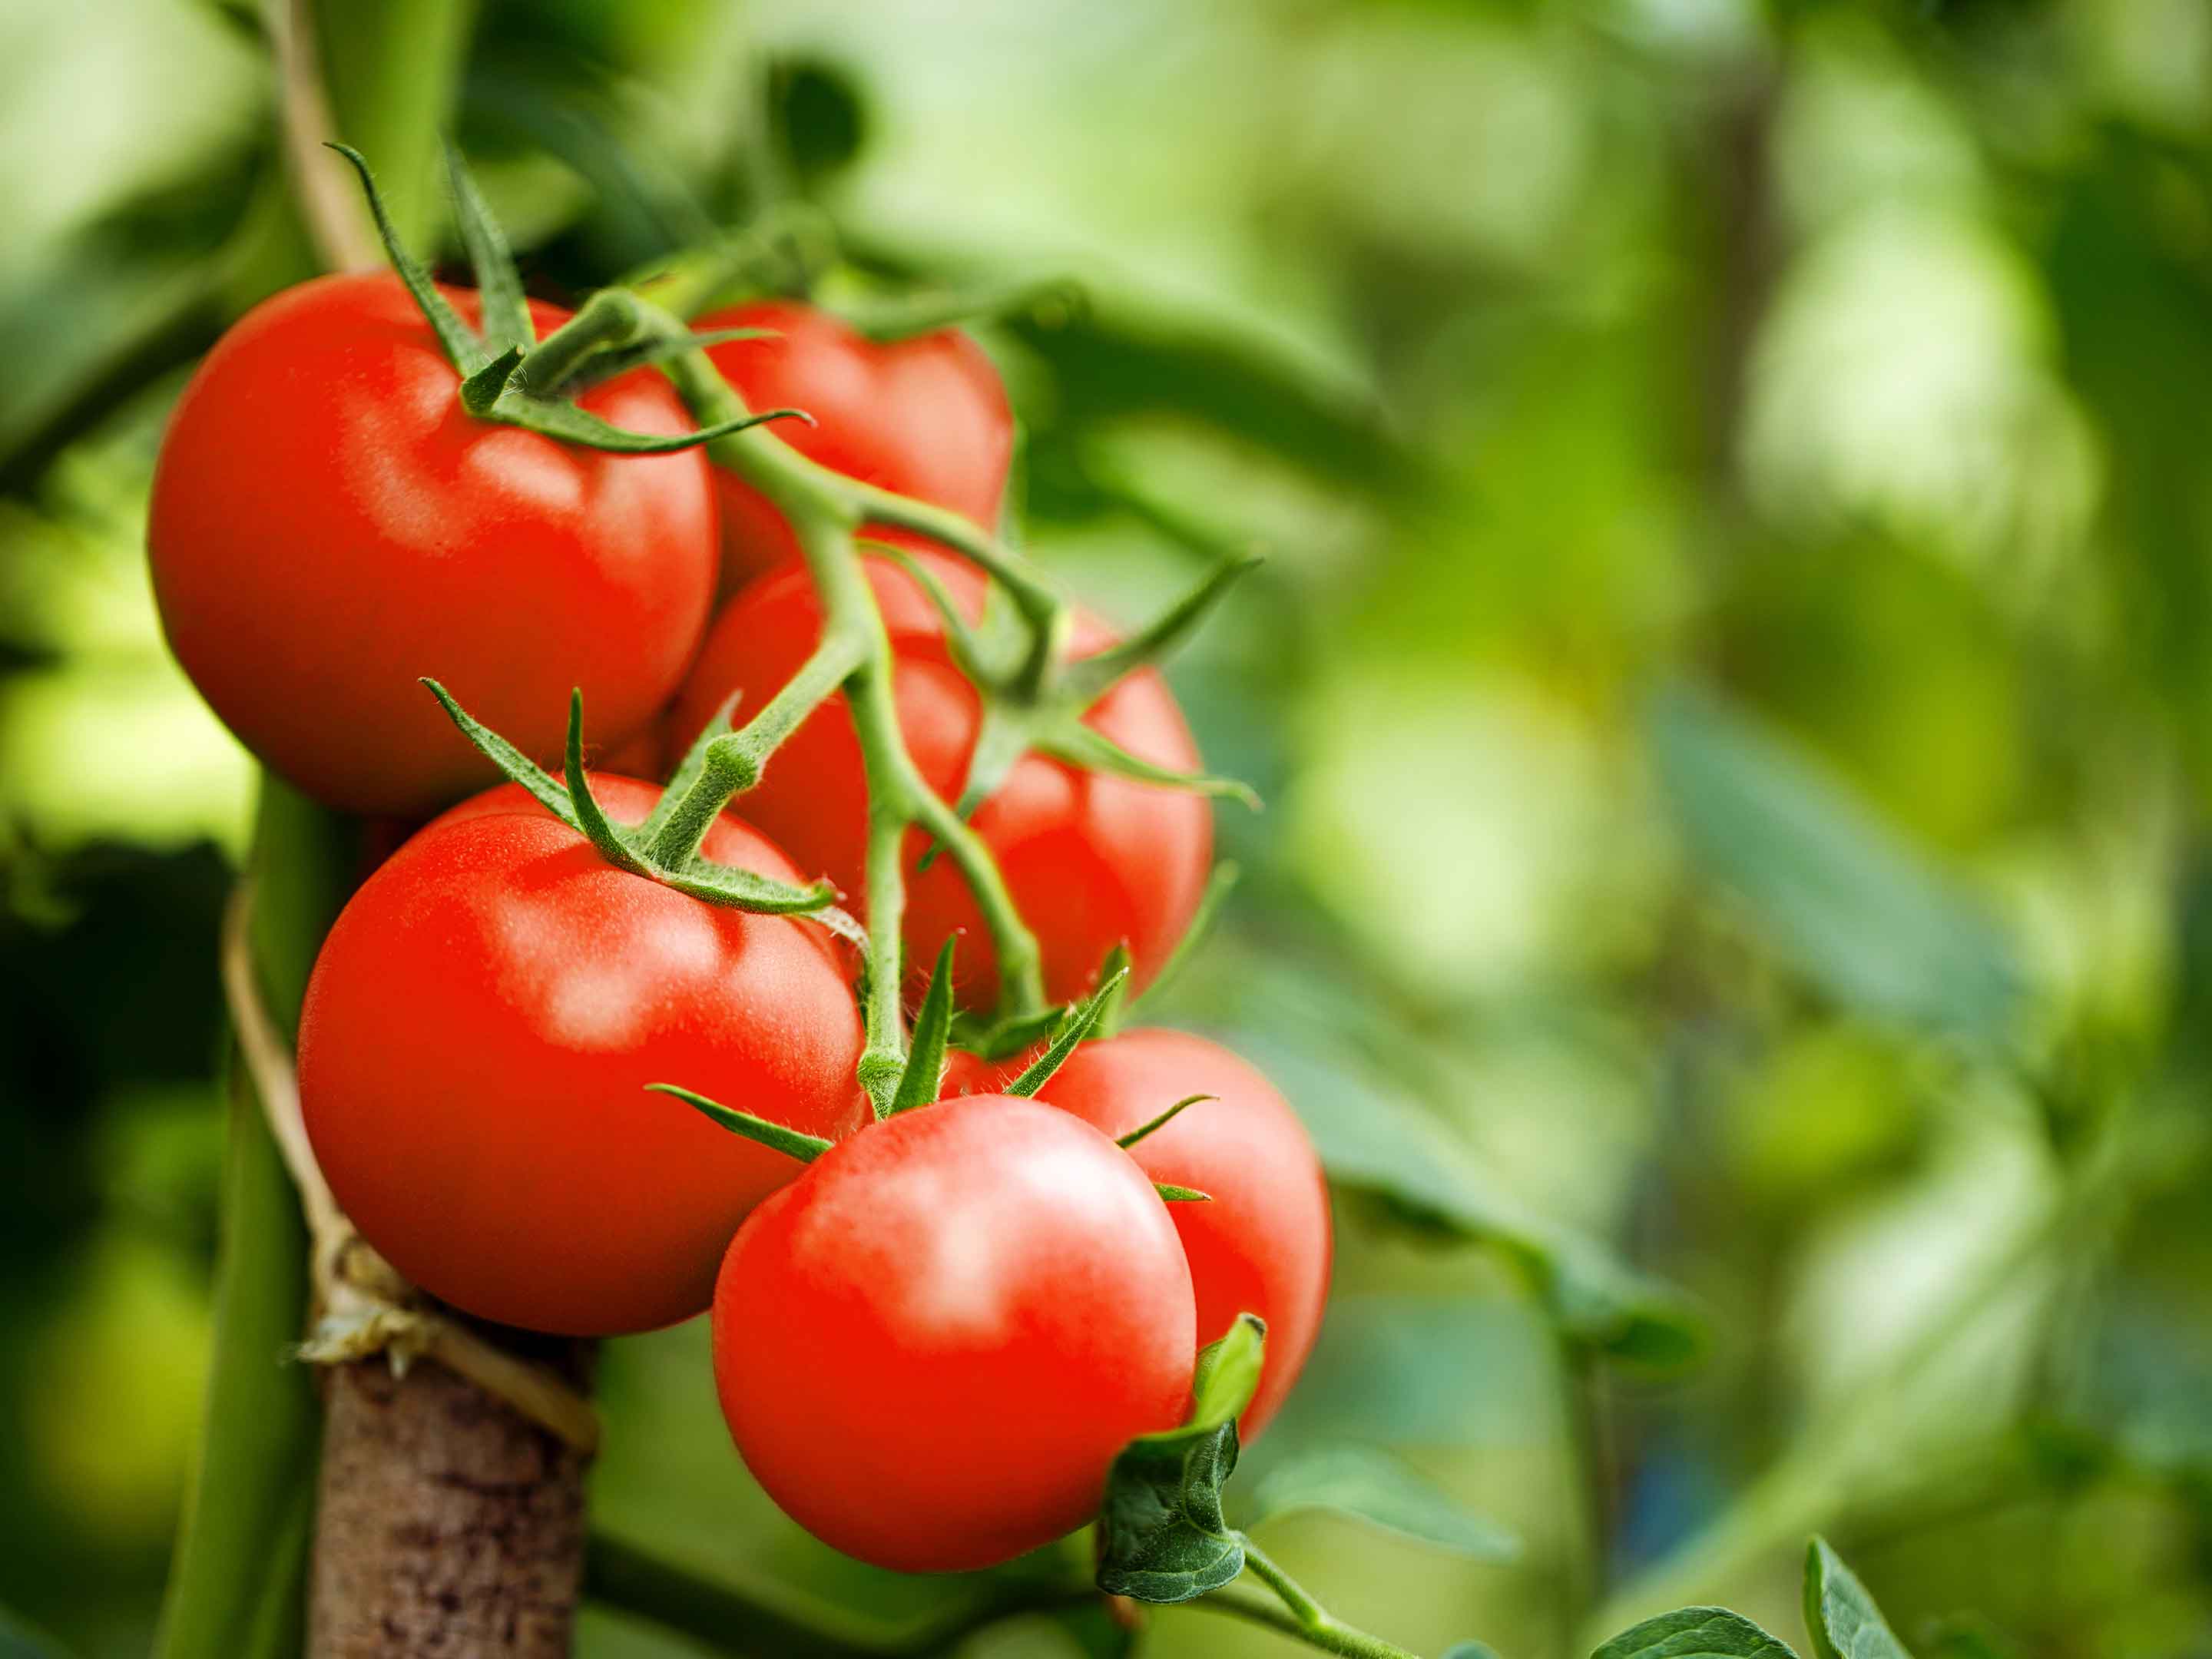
(610, 318)
(734, 762)
(824, 508)
(1306, 1618)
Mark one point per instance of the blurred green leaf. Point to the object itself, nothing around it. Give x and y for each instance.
(1829, 885)
(1373, 1138)
(1373, 1487)
(1695, 1633)
(1841, 1617)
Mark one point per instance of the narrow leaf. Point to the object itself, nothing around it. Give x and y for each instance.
(1840, 1614)
(1076, 1027)
(564, 420)
(776, 1137)
(1695, 1633)
(1171, 1194)
(1832, 886)
(1114, 971)
(933, 1029)
(506, 311)
(590, 818)
(1162, 1121)
(1375, 1487)
(1091, 677)
(517, 766)
(1088, 747)
(462, 350)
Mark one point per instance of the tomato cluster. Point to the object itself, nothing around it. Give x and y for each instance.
(988, 1281)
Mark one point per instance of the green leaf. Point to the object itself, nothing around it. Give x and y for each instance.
(1376, 1487)
(1695, 1633)
(1832, 887)
(1374, 1138)
(1840, 1616)
(517, 766)
(1162, 1535)
(776, 1137)
(506, 311)
(933, 1029)
(1072, 1030)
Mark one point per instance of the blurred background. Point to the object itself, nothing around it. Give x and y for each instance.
(1730, 682)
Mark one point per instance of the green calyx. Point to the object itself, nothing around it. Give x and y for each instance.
(509, 376)
(1034, 702)
(646, 850)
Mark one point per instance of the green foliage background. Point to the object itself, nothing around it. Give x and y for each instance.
(1730, 682)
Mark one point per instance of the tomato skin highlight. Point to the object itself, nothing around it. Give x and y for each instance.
(328, 525)
(478, 1032)
(924, 417)
(1264, 1245)
(1091, 860)
(931, 1346)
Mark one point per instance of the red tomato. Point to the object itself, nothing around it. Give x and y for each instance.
(926, 417)
(477, 1036)
(1263, 1246)
(1091, 860)
(328, 524)
(931, 1346)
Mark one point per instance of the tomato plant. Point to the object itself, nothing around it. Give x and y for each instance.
(931, 1345)
(926, 417)
(328, 523)
(1093, 859)
(1261, 1246)
(476, 1040)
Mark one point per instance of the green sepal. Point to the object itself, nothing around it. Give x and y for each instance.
(1171, 1194)
(1162, 1535)
(563, 421)
(1161, 1123)
(1371, 1485)
(575, 805)
(965, 646)
(1840, 1616)
(996, 1038)
(462, 348)
(506, 311)
(590, 818)
(1092, 676)
(1219, 886)
(612, 362)
(1114, 971)
(1073, 1029)
(1086, 746)
(776, 1137)
(517, 766)
(688, 771)
(482, 391)
(933, 1029)
(1695, 1633)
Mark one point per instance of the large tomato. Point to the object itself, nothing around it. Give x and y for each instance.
(1091, 860)
(1263, 1246)
(925, 417)
(930, 1347)
(328, 524)
(477, 1036)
